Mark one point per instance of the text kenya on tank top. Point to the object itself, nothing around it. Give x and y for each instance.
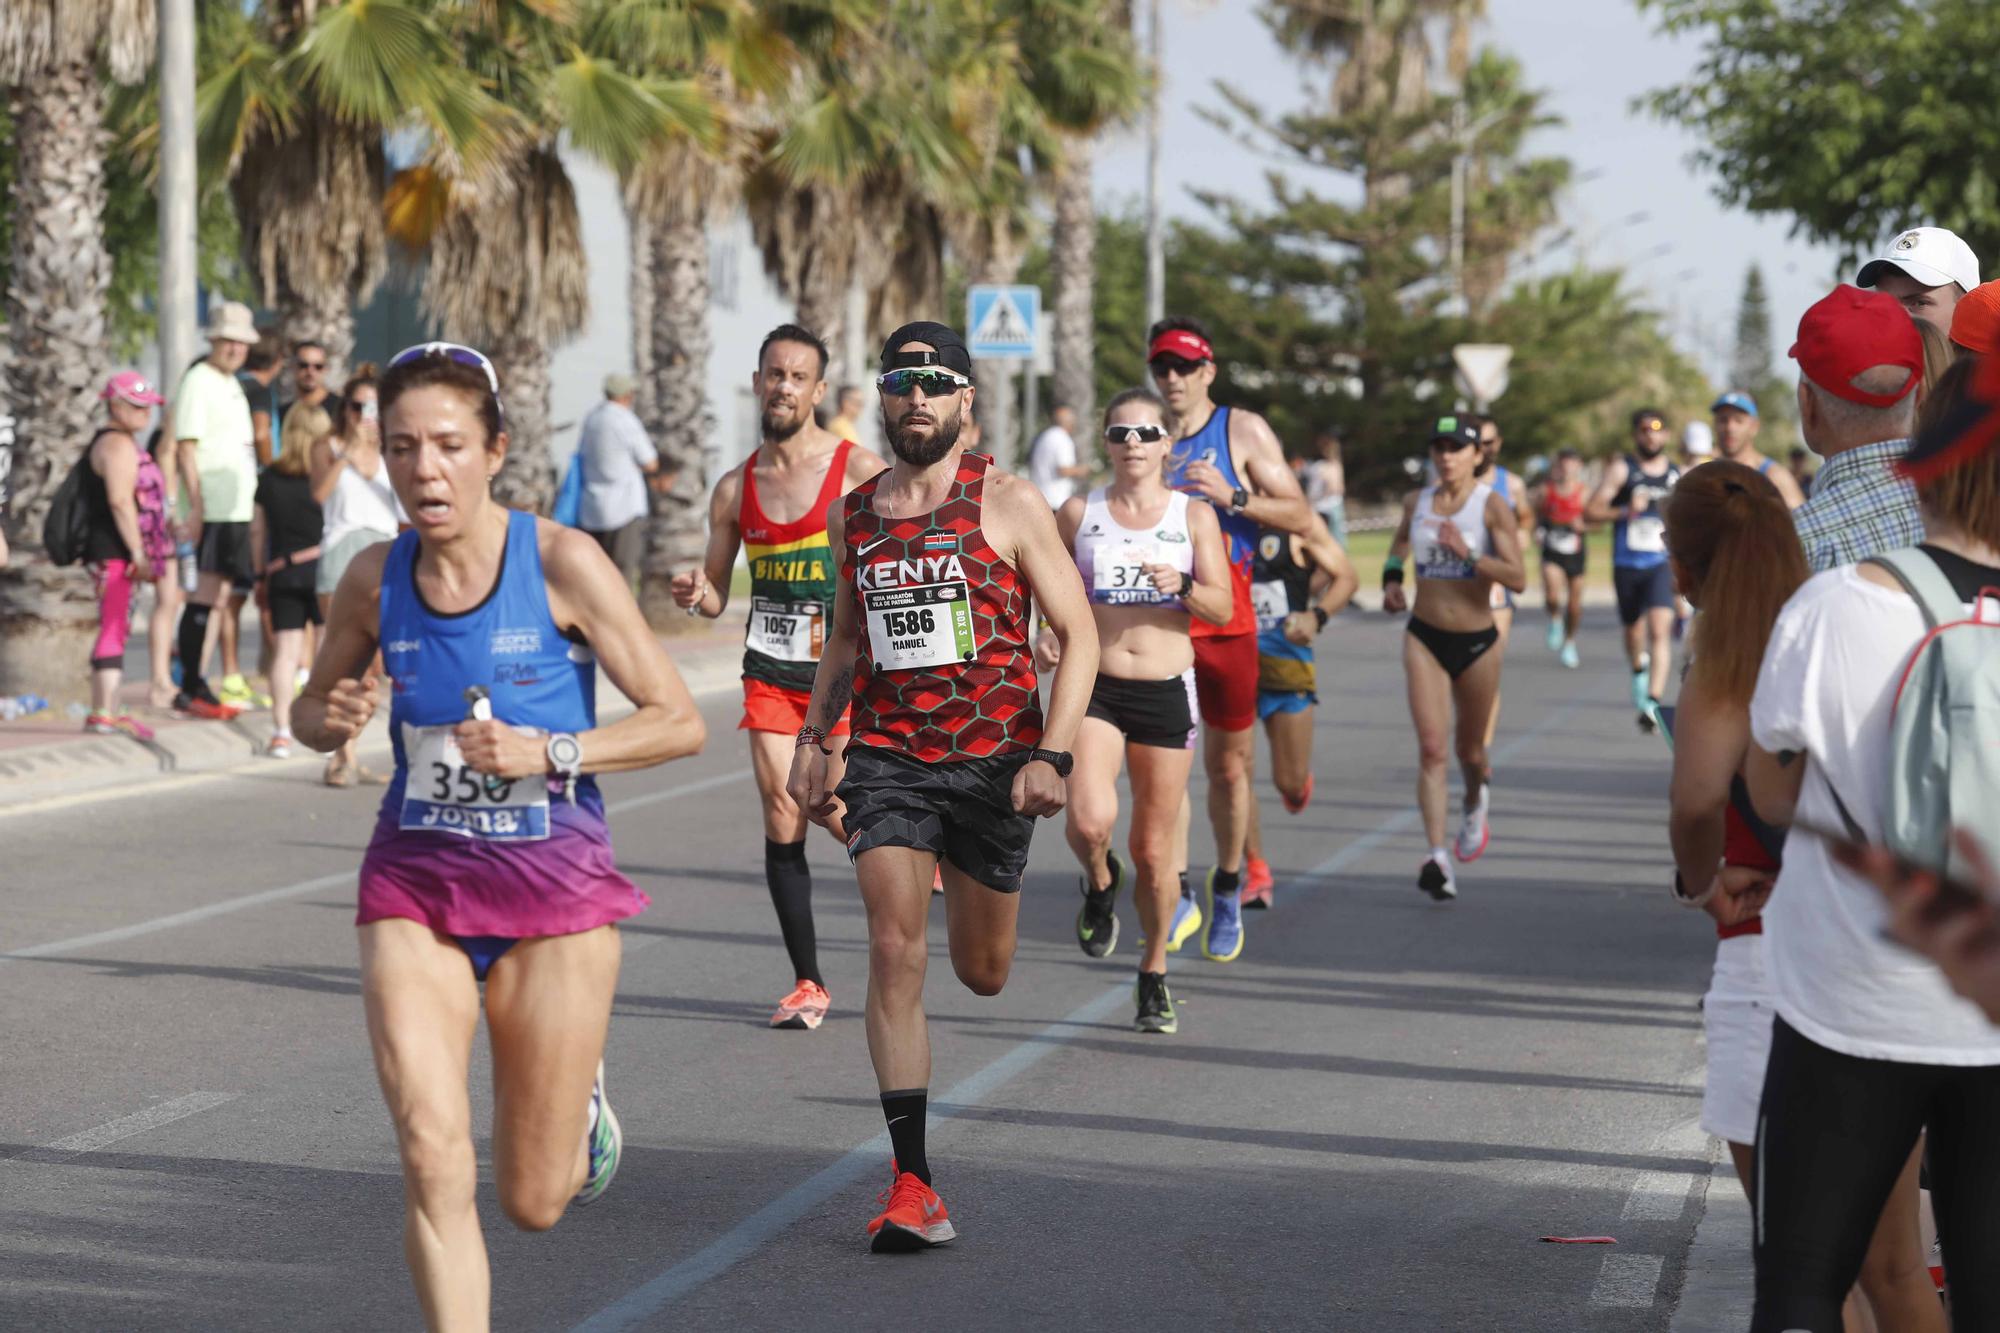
(943, 669)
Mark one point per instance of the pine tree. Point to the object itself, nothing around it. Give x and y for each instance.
(1750, 367)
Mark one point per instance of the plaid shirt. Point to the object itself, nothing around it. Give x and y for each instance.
(1859, 508)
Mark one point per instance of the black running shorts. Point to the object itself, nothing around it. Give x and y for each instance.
(225, 550)
(961, 811)
(1148, 712)
(1642, 590)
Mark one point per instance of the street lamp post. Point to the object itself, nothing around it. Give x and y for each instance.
(177, 190)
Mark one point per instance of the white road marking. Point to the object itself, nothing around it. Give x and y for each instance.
(128, 1126)
(1628, 1281)
(1660, 1196)
(118, 934)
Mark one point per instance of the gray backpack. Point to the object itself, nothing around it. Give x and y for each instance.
(1944, 758)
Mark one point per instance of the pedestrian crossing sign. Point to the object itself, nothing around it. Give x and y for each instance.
(1001, 321)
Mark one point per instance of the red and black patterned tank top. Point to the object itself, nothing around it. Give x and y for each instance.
(944, 671)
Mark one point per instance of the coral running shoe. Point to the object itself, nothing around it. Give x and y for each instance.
(197, 706)
(913, 1217)
(606, 1142)
(804, 1008)
(1257, 884)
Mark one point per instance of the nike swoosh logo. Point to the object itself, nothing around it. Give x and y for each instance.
(864, 550)
(899, 1119)
(931, 1207)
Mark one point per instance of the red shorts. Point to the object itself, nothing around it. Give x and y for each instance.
(768, 707)
(1225, 680)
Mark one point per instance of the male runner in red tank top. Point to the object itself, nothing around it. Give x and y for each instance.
(951, 761)
(1253, 489)
(776, 503)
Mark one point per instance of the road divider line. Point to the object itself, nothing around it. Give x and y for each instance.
(129, 1126)
(119, 934)
(643, 1304)
(1628, 1281)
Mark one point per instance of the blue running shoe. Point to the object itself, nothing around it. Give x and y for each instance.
(1187, 920)
(1641, 688)
(607, 1141)
(1569, 657)
(1225, 924)
(1555, 634)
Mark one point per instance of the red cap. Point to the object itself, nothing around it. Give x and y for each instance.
(1975, 323)
(1179, 342)
(1849, 331)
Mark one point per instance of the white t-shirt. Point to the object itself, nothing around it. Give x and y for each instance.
(616, 454)
(1052, 450)
(1826, 688)
(210, 409)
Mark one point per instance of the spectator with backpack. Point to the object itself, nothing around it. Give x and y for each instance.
(126, 539)
(1873, 721)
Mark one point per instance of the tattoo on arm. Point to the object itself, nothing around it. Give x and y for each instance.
(839, 690)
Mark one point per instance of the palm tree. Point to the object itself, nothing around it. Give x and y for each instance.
(55, 55)
(295, 117)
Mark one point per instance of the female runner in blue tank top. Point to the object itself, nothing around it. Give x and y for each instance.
(491, 859)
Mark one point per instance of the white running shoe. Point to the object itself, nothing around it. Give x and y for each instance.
(1473, 833)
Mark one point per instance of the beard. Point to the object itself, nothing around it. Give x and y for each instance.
(779, 428)
(1650, 450)
(917, 451)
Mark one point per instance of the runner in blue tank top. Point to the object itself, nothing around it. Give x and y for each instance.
(1232, 459)
(1629, 498)
(1736, 427)
(491, 860)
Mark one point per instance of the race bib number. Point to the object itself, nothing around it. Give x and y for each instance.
(1647, 533)
(1119, 577)
(787, 631)
(1271, 602)
(442, 795)
(1562, 541)
(925, 626)
(1430, 557)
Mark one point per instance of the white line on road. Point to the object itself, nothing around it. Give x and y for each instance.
(746, 1237)
(1660, 1196)
(127, 1126)
(76, 943)
(1628, 1281)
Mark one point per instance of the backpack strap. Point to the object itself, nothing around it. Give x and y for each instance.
(1925, 582)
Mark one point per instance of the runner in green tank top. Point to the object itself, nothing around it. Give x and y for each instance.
(773, 507)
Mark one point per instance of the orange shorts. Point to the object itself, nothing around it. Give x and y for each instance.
(768, 707)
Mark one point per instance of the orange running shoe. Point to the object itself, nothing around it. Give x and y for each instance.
(804, 1008)
(937, 879)
(1257, 883)
(914, 1217)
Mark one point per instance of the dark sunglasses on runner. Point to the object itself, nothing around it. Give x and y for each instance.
(1162, 366)
(463, 355)
(1143, 433)
(935, 382)
(304, 364)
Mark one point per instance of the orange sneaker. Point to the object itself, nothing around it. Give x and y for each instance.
(914, 1217)
(1257, 882)
(937, 880)
(804, 1008)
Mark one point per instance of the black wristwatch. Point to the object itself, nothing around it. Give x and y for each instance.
(1062, 761)
(1238, 498)
(1187, 584)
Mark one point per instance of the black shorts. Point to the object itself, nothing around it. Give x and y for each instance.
(961, 811)
(293, 608)
(1148, 712)
(1455, 650)
(1642, 590)
(1571, 564)
(225, 550)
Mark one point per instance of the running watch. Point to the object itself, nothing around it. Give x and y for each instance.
(1062, 761)
(1238, 499)
(566, 758)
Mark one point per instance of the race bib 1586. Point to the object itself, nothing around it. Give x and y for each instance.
(926, 626)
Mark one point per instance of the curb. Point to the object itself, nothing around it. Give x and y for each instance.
(89, 764)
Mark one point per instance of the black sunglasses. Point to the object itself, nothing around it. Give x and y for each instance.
(1168, 364)
(1143, 433)
(936, 382)
(312, 365)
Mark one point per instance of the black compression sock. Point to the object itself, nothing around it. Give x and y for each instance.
(194, 629)
(905, 1110)
(791, 884)
(1185, 891)
(1226, 881)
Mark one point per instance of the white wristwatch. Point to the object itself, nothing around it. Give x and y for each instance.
(566, 758)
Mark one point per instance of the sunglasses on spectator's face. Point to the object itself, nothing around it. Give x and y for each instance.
(935, 383)
(311, 365)
(1165, 365)
(1142, 433)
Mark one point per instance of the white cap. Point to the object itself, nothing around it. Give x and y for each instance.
(1698, 439)
(1931, 255)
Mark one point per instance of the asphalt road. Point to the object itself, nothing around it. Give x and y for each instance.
(1364, 1123)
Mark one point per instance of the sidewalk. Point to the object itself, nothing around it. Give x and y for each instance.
(46, 755)
(1720, 1286)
